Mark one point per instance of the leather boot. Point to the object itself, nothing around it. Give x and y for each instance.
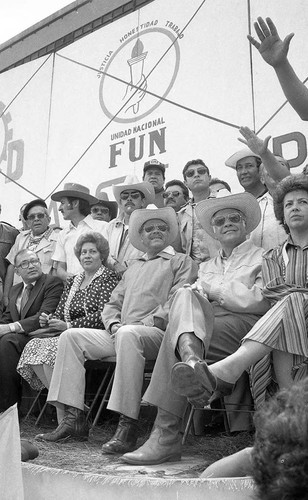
(73, 425)
(183, 378)
(125, 437)
(210, 382)
(163, 445)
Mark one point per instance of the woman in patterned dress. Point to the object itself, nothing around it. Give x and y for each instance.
(276, 348)
(80, 306)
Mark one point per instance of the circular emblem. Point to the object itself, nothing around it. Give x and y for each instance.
(138, 61)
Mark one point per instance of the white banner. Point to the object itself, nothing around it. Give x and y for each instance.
(79, 119)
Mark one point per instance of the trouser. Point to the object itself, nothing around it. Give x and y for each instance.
(133, 344)
(190, 313)
(11, 346)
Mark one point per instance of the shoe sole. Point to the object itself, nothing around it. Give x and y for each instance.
(184, 381)
(171, 458)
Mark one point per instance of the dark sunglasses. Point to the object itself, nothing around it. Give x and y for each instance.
(199, 170)
(161, 227)
(102, 210)
(35, 216)
(220, 220)
(171, 194)
(133, 196)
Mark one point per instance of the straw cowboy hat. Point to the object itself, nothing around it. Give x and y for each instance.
(142, 215)
(131, 182)
(102, 199)
(245, 202)
(73, 190)
(239, 155)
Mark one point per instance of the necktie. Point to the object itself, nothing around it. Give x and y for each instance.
(25, 296)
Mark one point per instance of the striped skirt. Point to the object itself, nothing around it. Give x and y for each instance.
(284, 328)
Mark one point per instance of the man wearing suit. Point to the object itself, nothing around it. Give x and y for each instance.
(37, 293)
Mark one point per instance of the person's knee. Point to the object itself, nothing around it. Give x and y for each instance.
(125, 337)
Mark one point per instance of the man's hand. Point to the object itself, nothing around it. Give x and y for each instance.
(273, 50)
(4, 329)
(257, 146)
(57, 324)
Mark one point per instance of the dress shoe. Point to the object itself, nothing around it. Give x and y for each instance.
(73, 425)
(210, 382)
(125, 437)
(163, 445)
(28, 450)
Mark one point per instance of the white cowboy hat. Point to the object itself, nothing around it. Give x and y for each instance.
(139, 217)
(131, 182)
(245, 202)
(239, 155)
(73, 190)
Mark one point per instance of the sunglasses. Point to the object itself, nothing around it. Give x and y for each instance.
(220, 220)
(161, 227)
(171, 194)
(199, 170)
(35, 216)
(102, 210)
(133, 196)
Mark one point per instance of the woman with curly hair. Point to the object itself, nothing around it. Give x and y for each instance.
(80, 306)
(278, 460)
(276, 348)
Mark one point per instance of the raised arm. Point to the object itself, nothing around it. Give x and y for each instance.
(274, 51)
(260, 147)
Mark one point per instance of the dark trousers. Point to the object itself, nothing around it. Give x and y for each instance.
(11, 347)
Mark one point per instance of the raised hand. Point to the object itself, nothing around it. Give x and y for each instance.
(273, 50)
(257, 145)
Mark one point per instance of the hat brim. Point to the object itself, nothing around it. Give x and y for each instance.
(140, 216)
(74, 194)
(34, 203)
(144, 187)
(111, 205)
(244, 202)
(239, 155)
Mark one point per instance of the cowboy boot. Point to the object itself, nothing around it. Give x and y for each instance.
(211, 383)
(73, 425)
(183, 378)
(163, 445)
(125, 437)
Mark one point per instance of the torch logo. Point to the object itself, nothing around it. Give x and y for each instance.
(138, 62)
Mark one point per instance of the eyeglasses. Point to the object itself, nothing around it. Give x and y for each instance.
(36, 216)
(134, 196)
(26, 263)
(199, 170)
(161, 227)
(102, 210)
(171, 194)
(220, 220)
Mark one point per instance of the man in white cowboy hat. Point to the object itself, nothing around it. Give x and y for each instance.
(250, 172)
(130, 196)
(135, 320)
(39, 237)
(207, 319)
(104, 209)
(75, 201)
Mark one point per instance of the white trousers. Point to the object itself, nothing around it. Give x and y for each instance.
(132, 346)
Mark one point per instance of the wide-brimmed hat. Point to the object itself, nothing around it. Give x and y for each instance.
(73, 190)
(131, 182)
(142, 215)
(102, 199)
(245, 202)
(154, 164)
(38, 202)
(239, 155)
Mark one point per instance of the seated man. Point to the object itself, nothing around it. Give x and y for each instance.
(135, 320)
(211, 316)
(37, 293)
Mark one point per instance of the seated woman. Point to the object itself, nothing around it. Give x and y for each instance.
(282, 331)
(80, 306)
(278, 460)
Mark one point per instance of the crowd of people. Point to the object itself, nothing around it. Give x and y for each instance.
(210, 284)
